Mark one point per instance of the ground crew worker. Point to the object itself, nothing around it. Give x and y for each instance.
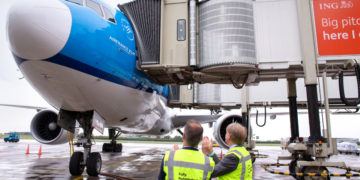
(187, 163)
(237, 163)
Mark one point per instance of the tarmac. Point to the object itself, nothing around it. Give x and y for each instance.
(140, 161)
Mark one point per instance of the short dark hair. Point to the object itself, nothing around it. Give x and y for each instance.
(193, 133)
(238, 133)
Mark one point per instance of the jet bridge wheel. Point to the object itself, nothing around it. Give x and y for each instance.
(292, 167)
(76, 165)
(93, 164)
(253, 157)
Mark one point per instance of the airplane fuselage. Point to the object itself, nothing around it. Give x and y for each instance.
(80, 59)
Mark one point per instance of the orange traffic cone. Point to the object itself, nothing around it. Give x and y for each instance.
(27, 150)
(221, 155)
(39, 153)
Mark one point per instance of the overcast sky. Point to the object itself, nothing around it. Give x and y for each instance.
(15, 90)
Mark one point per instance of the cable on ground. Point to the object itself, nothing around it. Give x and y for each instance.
(347, 174)
(115, 176)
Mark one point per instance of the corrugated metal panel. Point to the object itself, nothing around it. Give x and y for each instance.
(277, 34)
(174, 93)
(218, 94)
(227, 34)
(145, 17)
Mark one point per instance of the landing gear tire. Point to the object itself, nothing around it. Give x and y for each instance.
(314, 169)
(118, 148)
(76, 166)
(110, 147)
(106, 147)
(93, 164)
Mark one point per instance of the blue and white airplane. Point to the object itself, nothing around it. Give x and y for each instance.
(80, 55)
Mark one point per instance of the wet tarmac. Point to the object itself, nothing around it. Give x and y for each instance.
(140, 161)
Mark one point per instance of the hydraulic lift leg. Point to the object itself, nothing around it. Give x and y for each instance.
(245, 122)
(294, 123)
(308, 52)
(313, 110)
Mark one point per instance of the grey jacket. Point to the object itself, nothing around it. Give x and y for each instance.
(228, 164)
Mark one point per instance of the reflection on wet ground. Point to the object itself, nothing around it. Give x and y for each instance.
(139, 161)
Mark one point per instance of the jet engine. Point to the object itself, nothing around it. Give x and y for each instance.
(220, 127)
(45, 130)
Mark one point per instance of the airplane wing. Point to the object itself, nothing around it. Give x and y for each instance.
(180, 121)
(37, 108)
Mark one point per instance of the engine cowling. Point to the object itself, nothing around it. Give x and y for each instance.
(219, 130)
(45, 130)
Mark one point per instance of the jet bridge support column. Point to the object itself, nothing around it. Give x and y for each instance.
(294, 124)
(309, 65)
(244, 111)
(249, 143)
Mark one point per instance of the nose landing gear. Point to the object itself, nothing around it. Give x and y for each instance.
(91, 160)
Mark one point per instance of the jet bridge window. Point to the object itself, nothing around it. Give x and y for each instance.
(79, 2)
(94, 6)
(109, 15)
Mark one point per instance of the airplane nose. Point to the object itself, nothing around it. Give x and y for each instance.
(38, 29)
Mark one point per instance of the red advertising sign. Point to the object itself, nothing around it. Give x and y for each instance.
(337, 26)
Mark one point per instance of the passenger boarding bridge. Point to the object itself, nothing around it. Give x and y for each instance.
(278, 52)
(238, 42)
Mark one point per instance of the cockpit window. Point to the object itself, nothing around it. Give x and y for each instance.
(79, 2)
(109, 15)
(94, 6)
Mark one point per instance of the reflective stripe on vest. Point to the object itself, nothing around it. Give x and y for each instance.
(170, 163)
(242, 161)
(244, 167)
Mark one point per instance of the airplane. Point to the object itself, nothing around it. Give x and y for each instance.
(80, 56)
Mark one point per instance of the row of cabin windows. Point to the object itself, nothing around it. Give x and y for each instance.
(101, 10)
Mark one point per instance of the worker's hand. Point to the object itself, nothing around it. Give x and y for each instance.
(207, 145)
(175, 147)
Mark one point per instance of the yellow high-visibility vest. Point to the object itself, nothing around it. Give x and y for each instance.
(187, 164)
(244, 169)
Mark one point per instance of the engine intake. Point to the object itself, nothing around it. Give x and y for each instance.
(220, 127)
(45, 130)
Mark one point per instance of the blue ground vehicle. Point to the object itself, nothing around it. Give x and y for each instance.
(13, 137)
